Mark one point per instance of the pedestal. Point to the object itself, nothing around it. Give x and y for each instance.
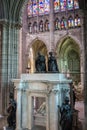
(48, 88)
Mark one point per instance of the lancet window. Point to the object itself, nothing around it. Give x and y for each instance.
(41, 26)
(70, 22)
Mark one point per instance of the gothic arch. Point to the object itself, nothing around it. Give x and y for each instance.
(68, 52)
(36, 46)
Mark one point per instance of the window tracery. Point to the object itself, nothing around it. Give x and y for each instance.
(42, 7)
(39, 7)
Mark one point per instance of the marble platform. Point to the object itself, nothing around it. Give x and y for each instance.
(53, 88)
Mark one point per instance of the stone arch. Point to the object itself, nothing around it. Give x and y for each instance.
(36, 46)
(68, 52)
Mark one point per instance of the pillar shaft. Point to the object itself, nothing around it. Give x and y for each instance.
(9, 65)
(51, 25)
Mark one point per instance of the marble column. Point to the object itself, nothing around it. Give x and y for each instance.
(53, 108)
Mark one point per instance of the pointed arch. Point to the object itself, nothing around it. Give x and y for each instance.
(68, 53)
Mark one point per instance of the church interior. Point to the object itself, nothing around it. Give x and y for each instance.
(32, 27)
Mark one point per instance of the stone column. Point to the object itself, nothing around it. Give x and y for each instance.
(4, 72)
(85, 70)
(51, 26)
(9, 61)
(82, 53)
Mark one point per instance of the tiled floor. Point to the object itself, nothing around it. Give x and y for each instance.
(78, 105)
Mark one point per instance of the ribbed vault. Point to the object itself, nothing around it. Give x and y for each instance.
(11, 10)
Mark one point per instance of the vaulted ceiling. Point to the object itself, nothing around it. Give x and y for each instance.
(11, 10)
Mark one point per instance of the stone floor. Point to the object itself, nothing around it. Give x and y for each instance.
(78, 105)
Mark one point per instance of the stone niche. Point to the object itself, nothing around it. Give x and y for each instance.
(38, 98)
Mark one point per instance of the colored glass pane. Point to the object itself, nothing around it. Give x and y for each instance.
(79, 22)
(76, 21)
(35, 7)
(46, 6)
(35, 27)
(29, 8)
(70, 4)
(41, 6)
(70, 22)
(63, 5)
(41, 26)
(76, 4)
(63, 23)
(56, 5)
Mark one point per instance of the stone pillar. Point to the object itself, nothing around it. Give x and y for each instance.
(9, 61)
(4, 73)
(82, 53)
(85, 70)
(51, 26)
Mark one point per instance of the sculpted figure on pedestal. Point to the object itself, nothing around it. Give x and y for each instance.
(40, 64)
(11, 110)
(66, 115)
(52, 63)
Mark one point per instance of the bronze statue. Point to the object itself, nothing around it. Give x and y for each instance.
(40, 63)
(66, 115)
(52, 63)
(11, 110)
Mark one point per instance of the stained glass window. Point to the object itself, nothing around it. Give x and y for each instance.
(35, 7)
(41, 6)
(35, 27)
(56, 5)
(63, 5)
(41, 27)
(30, 8)
(63, 23)
(77, 21)
(47, 6)
(76, 4)
(70, 4)
(70, 22)
(57, 24)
